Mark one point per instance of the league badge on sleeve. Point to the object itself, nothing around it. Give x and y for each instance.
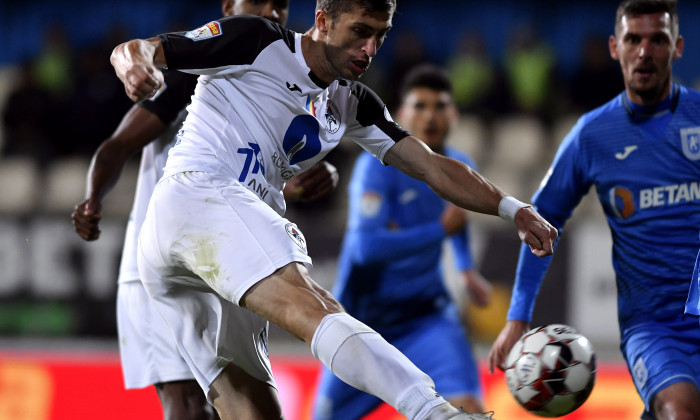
(210, 30)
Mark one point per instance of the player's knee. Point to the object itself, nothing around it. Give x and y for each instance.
(677, 410)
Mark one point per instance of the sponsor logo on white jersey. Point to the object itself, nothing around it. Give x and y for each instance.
(690, 138)
(623, 155)
(210, 30)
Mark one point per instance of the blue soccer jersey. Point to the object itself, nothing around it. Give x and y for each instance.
(645, 165)
(389, 266)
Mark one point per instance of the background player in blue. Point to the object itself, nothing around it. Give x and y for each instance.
(641, 152)
(215, 238)
(389, 274)
(148, 351)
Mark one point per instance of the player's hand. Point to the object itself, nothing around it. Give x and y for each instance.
(478, 287)
(453, 219)
(142, 82)
(133, 63)
(509, 335)
(535, 232)
(86, 219)
(310, 185)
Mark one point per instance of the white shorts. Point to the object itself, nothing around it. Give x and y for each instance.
(205, 241)
(147, 348)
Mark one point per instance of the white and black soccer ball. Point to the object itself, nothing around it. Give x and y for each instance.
(551, 370)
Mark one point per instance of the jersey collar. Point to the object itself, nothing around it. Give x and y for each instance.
(668, 104)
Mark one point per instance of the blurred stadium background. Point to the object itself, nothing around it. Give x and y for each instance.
(523, 73)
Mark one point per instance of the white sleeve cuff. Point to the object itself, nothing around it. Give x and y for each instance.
(509, 206)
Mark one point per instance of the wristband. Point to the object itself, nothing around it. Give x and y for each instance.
(508, 206)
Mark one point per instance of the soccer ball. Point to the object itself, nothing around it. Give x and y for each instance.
(551, 370)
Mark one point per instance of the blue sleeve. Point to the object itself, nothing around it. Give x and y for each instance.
(371, 196)
(462, 250)
(562, 189)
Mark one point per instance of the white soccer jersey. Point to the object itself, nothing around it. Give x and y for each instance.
(169, 106)
(258, 112)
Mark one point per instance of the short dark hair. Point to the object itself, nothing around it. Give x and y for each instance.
(335, 8)
(427, 76)
(635, 8)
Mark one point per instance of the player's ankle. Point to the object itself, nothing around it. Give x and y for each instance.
(443, 411)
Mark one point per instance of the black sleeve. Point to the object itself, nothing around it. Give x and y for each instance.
(176, 95)
(229, 41)
(372, 111)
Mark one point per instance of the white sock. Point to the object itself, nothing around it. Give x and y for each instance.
(363, 359)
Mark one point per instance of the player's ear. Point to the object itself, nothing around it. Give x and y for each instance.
(322, 21)
(678, 52)
(612, 45)
(227, 7)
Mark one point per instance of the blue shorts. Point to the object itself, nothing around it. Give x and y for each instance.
(661, 354)
(436, 344)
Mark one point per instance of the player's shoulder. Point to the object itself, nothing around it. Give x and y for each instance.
(255, 30)
(600, 119)
(263, 29)
(355, 88)
(370, 106)
(689, 95)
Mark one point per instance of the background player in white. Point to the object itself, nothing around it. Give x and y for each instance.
(638, 152)
(271, 104)
(148, 351)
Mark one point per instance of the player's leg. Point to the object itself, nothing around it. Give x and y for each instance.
(184, 400)
(210, 234)
(679, 401)
(336, 400)
(665, 366)
(351, 350)
(238, 395)
(150, 356)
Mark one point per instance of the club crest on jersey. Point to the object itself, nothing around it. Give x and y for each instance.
(296, 235)
(690, 138)
(210, 30)
(332, 118)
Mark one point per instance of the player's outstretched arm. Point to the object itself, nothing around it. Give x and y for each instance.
(318, 181)
(506, 339)
(137, 63)
(459, 184)
(138, 128)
